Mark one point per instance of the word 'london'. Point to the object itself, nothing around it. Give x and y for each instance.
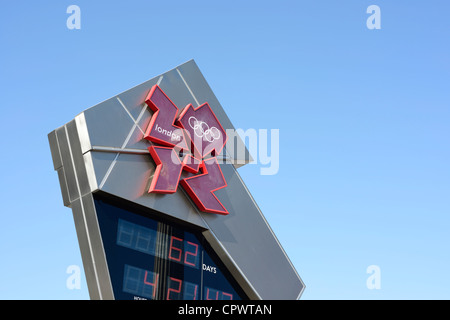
(227, 309)
(173, 136)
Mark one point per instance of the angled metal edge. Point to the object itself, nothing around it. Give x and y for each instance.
(91, 247)
(58, 166)
(231, 265)
(274, 235)
(72, 171)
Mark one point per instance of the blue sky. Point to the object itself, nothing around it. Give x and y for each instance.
(363, 116)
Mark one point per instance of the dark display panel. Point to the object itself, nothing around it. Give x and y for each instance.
(159, 260)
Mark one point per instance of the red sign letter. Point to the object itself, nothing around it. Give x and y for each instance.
(205, 132)
(201, 187)
(162, 129)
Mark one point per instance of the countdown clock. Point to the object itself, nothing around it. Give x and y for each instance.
(137, 244)
(153, 259)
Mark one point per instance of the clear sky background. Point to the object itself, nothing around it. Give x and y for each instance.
(363, 116)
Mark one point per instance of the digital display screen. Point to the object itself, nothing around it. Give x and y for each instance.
(159, 260)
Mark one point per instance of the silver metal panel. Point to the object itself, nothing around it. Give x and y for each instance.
(98, 164)
(54, 148)
(133, 99)
(91, 247)
(77, 158)
(85, 249)
(108, 124)
(64, 188)
(77, 194)
(58, 166)
(96, 247)
(136, 141)
(68, 165)
(104, 150)
(83, 133)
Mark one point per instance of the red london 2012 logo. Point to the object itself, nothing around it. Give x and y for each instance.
(186, 142)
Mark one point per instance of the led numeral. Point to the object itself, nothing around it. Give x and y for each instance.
(177, 291)
(178, 251)
(140, 282)
(212, 294)
(227, 296)
(191, 254)
(190, 251)
(154, 284)
(176, 285)
(190, 291)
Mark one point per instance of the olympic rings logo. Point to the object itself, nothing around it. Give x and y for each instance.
(202, 130)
